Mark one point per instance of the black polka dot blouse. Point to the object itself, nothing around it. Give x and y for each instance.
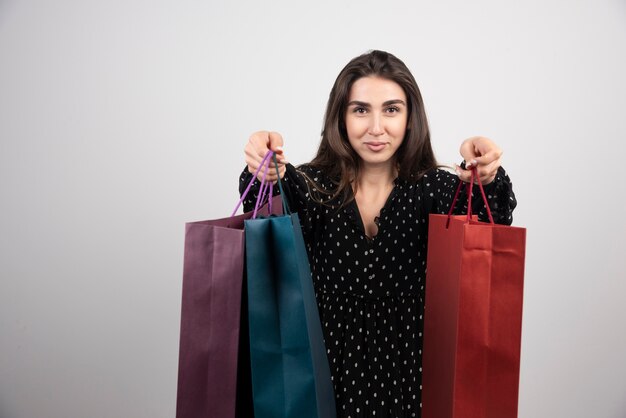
(370, 291)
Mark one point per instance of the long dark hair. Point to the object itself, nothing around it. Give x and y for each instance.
(336, 158)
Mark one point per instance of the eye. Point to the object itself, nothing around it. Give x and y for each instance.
(393, 109)
(359, 109)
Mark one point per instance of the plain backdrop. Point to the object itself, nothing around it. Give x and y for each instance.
(122, 120)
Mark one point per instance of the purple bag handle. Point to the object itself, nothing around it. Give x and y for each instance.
(263, 192)
(265, 185)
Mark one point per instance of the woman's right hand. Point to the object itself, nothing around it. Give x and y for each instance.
(258, 145)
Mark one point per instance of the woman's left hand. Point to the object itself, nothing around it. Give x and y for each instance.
(482, 153)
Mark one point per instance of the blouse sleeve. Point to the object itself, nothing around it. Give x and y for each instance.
(440, 187)
(296, 194)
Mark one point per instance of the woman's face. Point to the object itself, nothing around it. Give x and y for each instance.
(376, 119)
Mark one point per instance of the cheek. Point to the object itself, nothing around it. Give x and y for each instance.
(400, 127)
(355, 127)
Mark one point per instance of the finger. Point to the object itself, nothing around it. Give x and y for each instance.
(259, 142)
(271, 171)
(253, 160)
(281, 159)
(276, 145)
(253, 155)
(464, 175)
(271, 176)
(492, 155)
(485, 175)
(255, 152)
(262, 142)
(488, 172)
(276, 142)
(468, 152)
(479, 150)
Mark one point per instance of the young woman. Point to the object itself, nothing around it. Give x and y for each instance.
(364, 203)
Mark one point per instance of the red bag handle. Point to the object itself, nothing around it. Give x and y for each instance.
(470, 185)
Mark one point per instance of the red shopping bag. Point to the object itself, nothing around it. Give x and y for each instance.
(473, 317)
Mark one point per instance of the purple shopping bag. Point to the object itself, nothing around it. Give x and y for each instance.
(214, 356)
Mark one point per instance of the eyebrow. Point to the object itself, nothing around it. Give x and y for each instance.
(387, 103)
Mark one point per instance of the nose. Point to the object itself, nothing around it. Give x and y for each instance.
(376, 126)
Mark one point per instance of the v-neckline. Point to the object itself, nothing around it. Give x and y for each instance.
(359, 218)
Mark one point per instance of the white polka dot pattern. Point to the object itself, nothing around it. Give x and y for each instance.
(370, 292)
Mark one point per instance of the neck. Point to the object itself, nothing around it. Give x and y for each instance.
(376, 176)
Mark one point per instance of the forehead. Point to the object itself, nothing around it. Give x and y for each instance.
(376, 90)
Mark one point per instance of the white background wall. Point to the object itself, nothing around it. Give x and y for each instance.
(122, 120)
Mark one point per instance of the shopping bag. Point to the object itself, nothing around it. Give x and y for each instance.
(290, 370)
(473, 317)
(214, 357)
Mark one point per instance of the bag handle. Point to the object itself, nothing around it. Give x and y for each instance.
(263, 192)
(470, 185)
(245, 193)
(265, 185)
(286, 210)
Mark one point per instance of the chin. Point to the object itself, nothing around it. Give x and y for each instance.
(377, 159)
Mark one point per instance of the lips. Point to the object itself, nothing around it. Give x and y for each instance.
(376, 146)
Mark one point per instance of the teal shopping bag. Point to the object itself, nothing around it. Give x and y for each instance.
(290, 371)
